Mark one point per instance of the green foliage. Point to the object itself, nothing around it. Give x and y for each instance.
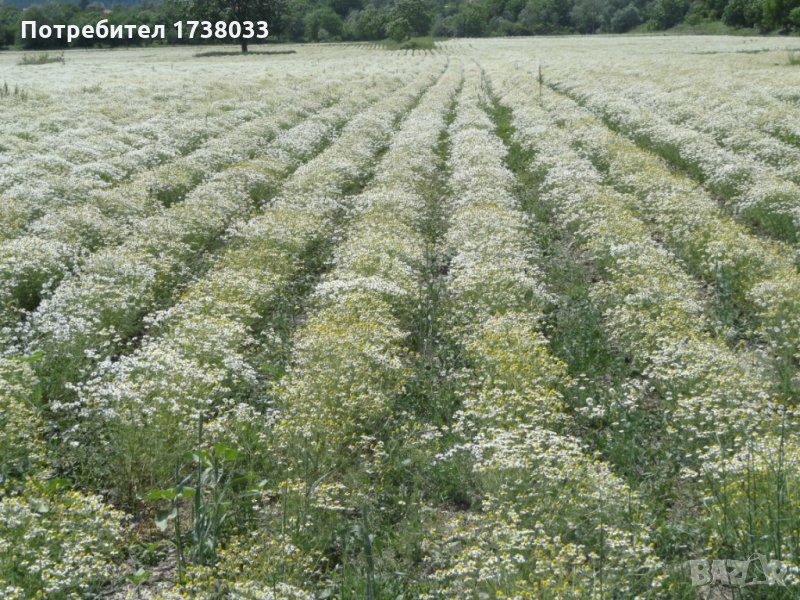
(794, 17)
(587, 15)
(416, 13)
(742, 13)
(21, 429)
(370, 23)
(776, 13)
(546, 16)
(323, 25)
(625, 19)
(668, 13)
(398, 29)
(470, 21)
(213, 490)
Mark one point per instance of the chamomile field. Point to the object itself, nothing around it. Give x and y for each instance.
(512, 318)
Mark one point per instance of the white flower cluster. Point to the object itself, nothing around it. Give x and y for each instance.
(54, 542)
(68, 142)
(717, 400)
(755, 191)
(728, 120)
(200, 358)
(64, 238)
(351, 357)
(757, 276)
(64, 170)
(555, 521)
(652, 308)
(738, 113)
(57, 544)
(21, 429)
(90, 315)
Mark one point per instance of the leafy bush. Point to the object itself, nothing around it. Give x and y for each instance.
(398, 29)
(668, 13)
(794, 17)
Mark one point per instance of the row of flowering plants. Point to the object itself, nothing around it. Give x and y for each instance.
(204, 356)
(199, 361)
(154, 130)
(553, 519)
(726, 429)
(94, 313)
(754, 191)
(198, 379)
(87, 155)
(64, 239)
(353, 359)
(745, 119)
(755, 278)
(54, 542)
(730, 123)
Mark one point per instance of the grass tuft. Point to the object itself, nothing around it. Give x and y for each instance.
(41, 58)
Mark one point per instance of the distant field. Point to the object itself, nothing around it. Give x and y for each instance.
(513, 318)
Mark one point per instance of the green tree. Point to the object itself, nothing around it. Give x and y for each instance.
(323, 24)
(668, 13)
(586, 15)
(398, 29)
(239, 10)
(345, 7)
(546, 16)
(625, 19)
(471, 20)
(742, 13)
(776, 13)
(794, 18)
(416, 13)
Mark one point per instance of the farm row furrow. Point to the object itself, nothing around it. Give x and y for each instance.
(715, 402)
(350, 362)
(730, 118)
(32, 265)
(752, 192)
(202, 359)
(94, 314)
(727, 123)
(757, 280)
(764, 105)
(45, 182)
(99, 146)
(553, 520)
(109, 202)
(205, 347)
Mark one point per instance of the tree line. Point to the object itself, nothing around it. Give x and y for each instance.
(332, 20)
